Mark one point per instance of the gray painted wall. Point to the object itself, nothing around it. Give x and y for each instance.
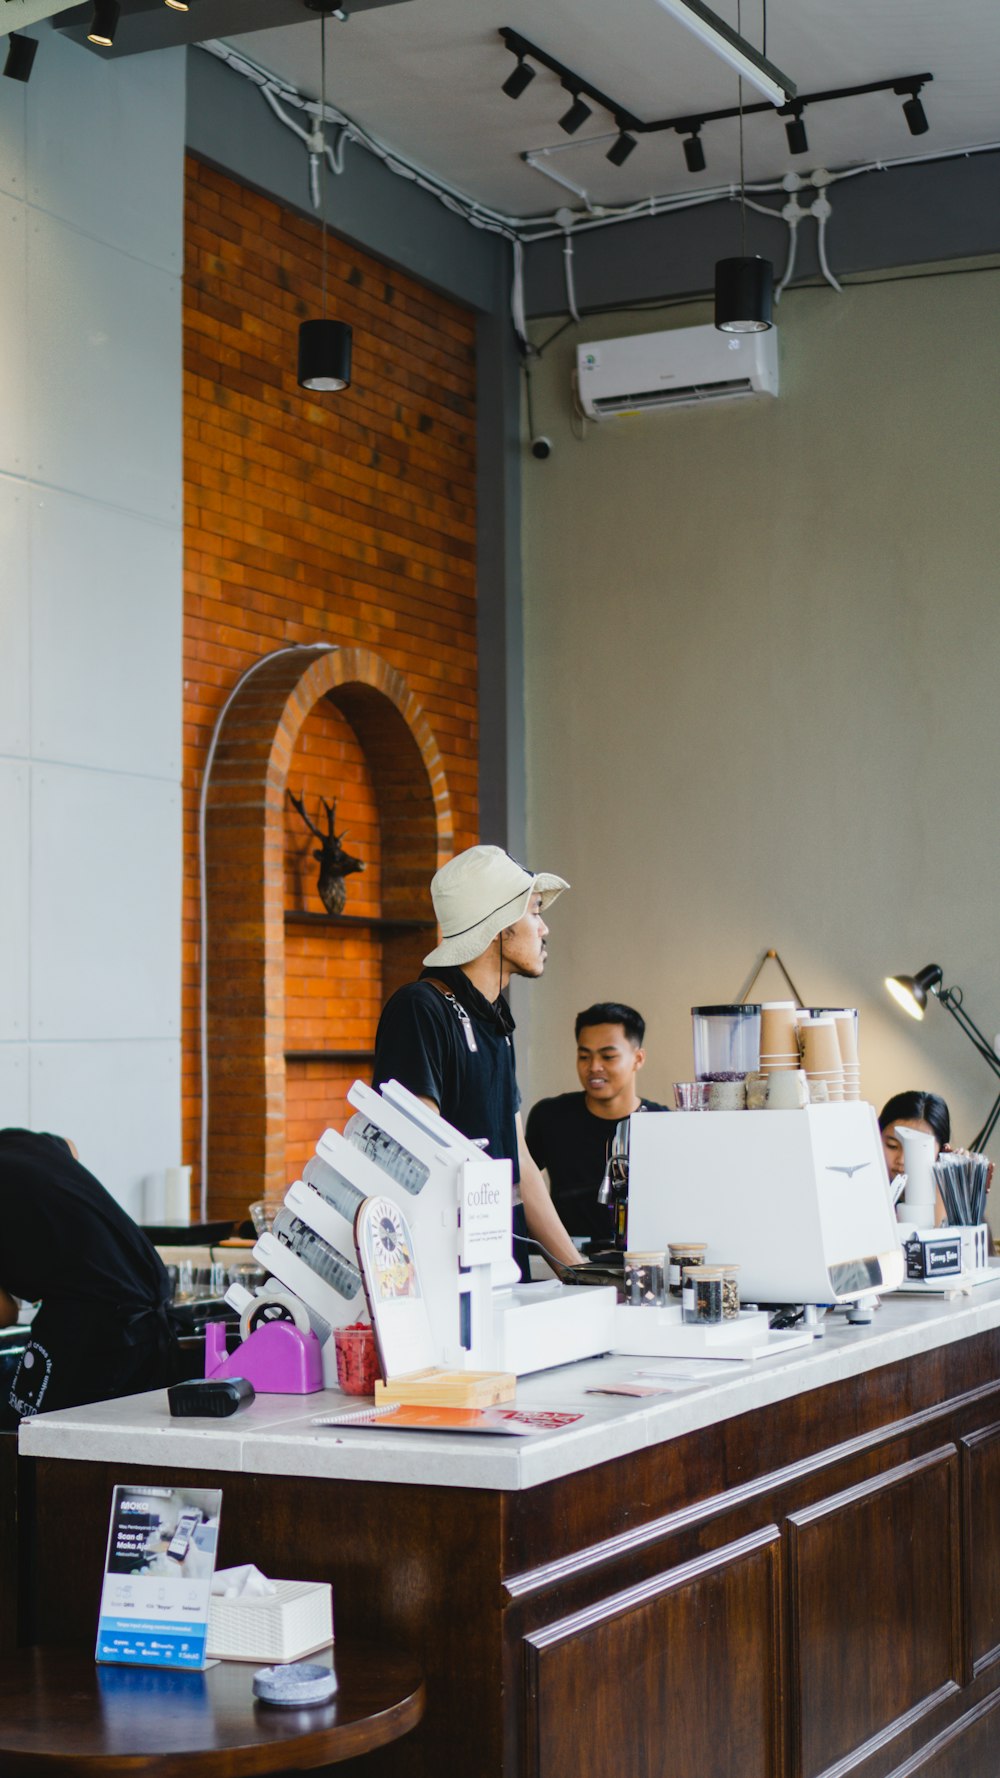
(91, 215)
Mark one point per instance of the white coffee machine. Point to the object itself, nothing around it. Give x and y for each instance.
(799, 1199)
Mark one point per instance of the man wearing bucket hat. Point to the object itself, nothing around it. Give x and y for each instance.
(448, 1036)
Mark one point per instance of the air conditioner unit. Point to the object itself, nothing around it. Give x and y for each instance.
(684, 367)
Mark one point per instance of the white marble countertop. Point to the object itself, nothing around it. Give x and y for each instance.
(275, 1434)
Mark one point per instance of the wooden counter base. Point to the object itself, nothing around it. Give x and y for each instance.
(812, 1588)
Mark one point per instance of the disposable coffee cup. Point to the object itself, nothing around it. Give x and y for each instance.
(820, 1049)
(777, 1026)
(847, 1034)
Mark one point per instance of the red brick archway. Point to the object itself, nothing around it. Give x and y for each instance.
(244, 887)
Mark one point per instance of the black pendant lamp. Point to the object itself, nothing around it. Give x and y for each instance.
(744, 285)
(324, 344)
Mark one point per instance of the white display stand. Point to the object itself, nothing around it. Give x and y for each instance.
(460, 1217)
(663, 1333)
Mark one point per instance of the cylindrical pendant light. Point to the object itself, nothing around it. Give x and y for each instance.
(324, 355)
(324, 345)
(744, 292)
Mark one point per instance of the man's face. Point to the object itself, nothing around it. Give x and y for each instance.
(607, 1062)
(524, 948)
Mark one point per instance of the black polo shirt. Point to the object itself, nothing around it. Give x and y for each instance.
(571, 1144)
(422, 1042)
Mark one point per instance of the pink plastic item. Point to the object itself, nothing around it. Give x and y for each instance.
(276, 1358)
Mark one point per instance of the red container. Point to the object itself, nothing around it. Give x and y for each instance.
(357, 1359)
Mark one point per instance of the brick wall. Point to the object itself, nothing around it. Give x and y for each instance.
(348, 519)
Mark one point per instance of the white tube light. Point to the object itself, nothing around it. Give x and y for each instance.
(733, 49)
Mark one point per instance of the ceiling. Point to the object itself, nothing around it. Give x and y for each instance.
(425, 78)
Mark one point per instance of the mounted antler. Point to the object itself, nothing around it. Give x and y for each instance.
(334, 863)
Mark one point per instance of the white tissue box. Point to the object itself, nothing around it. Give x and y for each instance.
(294, 1620)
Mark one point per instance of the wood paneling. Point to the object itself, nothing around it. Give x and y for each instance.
(874, 1575)
(679, 1674)
(981, 1476)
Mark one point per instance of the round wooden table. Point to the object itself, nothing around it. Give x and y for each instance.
(61, 1713)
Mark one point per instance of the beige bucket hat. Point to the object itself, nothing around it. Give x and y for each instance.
(476, 894)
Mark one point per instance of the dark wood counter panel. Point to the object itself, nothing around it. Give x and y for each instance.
(807, 1590)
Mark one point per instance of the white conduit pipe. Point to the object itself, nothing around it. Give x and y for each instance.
(568, 270)
(265, 660)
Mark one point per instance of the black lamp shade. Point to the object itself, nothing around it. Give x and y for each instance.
(577, 115)
(620, 149)
(324, 355)
(916, 117)
(20, 56)
(104, 23)
(744, 291)
(694, 154)
(518, 79)
(911, 991)
(798, 141)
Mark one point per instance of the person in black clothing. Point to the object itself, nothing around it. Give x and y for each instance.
(102, 1329)
(569, 1135)
(449, 1036)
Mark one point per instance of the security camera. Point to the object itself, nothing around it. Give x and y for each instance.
(541, 447)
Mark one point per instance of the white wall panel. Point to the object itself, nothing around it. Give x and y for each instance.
(106, 905)
(15, 622)
(104, 368)
(106, 149)
(120, 1104)
(15, 1103)
(13, 335)
(106, 638)
(14, 899)
(13, 105)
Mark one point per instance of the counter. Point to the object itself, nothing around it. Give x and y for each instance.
(789, 1571)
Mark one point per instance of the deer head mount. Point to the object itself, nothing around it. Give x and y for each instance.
(334, 863)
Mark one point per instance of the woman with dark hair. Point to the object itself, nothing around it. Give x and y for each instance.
(915, 1111)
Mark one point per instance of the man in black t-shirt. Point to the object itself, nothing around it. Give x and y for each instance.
(569, 1136)
(102, 1329)
(449, 1036)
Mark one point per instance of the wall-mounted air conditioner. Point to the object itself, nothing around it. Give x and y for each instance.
(684, 367)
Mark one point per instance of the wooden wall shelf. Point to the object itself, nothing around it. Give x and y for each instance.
(366, 922)
(329, 1055)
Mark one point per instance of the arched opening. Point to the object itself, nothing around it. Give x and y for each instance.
(245, 846)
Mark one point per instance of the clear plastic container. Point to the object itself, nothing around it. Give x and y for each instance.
(395, 1161)
(709, 1294)
(317, 1254)
(681, 1255)
(726, 1041)
(645, 1280)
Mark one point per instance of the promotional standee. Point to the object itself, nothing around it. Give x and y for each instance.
(158, 1576)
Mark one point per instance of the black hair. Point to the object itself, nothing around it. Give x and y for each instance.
(928, 1107)
(612, 1012)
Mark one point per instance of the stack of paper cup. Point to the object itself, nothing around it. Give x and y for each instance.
(779, 1047)
(846, 1020)
(821, 1056)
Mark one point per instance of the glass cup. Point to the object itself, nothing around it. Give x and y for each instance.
(691, 1095)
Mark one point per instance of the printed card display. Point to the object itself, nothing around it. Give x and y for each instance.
(158, 1576)
(485, 1212)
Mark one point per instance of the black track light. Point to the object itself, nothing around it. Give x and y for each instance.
(104, 23)
(743, 295)
(20, 56)
(795, 130)
(621, 148)
(915, 115)
(694, 153)
(577, 115)
(520, 78)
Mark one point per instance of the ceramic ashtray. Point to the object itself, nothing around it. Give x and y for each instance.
(299, 1684)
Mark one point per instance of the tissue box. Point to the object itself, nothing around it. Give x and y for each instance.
(291, 1622)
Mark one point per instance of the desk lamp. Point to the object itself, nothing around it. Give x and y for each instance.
(911, 992)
